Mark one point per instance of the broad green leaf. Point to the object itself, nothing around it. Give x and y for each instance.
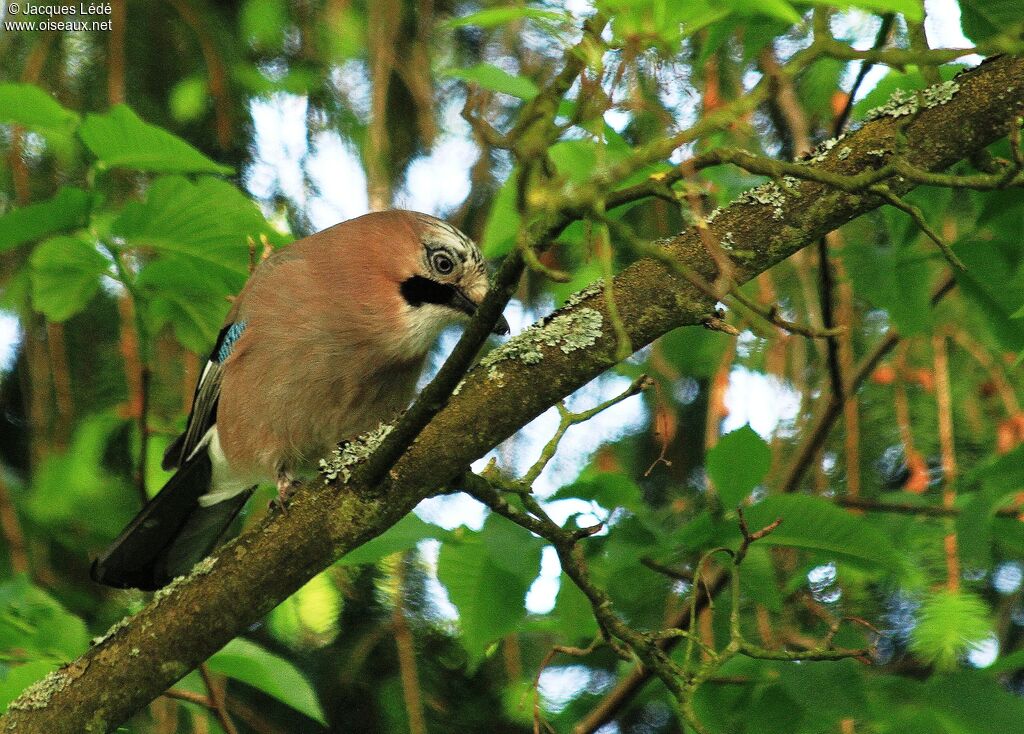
(121, 139)
(189, 99)
(28, 105)
(249, 663)
(310, 616)
(263, 23)
(65, 276)
(974, 528)
(779, 9)
(494, 17)
(68, 487)
(662, 23)
(1008, 663)
(757, 579)
(910, 9)
(191, 298)
(403, 535)
(814, 524)
(503, 222)
(36, 624)
(488, 590)
(983, 19)
(67, 210)
(1003, 474)
(14, 679)
(574, 613)
(893, 279)
(608, 489)
(975, 703)
(775, 712)
(817, 86)
(491, 77)
(694, 350)
(833, 688)
(949, 624)
(994, 284)
(208, 221)
(737, 463)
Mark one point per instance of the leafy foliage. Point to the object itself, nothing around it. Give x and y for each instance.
(126, 228)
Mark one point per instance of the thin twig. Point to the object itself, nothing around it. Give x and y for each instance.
(822, 427)
(216, 697)
(918, 216)
(881, 39)
(406, 647)
(947, 449)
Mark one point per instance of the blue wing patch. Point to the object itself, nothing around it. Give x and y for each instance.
(227, 343)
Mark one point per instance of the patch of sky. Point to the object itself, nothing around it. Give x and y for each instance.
(1007, 577)
(764, 401)
(540, 599)
(10, 340)
(984, 653)
(559, 685)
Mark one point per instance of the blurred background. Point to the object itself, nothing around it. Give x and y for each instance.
(300, 115)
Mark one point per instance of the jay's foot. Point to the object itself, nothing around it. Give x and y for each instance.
(286, 488)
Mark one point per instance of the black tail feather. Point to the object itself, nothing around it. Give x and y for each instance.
(170, 534)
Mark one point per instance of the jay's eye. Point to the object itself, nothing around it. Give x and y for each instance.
(442, 264)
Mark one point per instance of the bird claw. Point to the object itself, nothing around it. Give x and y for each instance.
(286, 488)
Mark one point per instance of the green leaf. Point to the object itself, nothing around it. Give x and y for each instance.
(982, 19)
(494, 17)
(974, 528)
(574, 614)
(1008, 663)
(208, 221)
(694, 350)
(771, 8)
(487, 575)
(17, 678)
(65, 276)
(815, 524)
(737, 463)
(190, 298)
(949, 624)
(189, 99)
(894, 280)
(28, 105)
(403, 535)
(249, 663)
(491, 77)
(994, 284)
(35, 623)
(310, 616)
(910, 9)
(975, 703)
(503, 222)
(608, 489)
(68, 210)
(120, 139)
(833, 688)
(68, 487)
(757, 579)
(263, 23)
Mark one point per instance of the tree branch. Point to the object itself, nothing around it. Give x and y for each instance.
(245, 579)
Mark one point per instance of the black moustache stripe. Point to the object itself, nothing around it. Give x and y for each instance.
(418, 290)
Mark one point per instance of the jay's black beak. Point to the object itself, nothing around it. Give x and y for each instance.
(462, 302)
(501, 328)
(418, 290)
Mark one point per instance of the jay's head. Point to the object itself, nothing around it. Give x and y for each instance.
(444, 278)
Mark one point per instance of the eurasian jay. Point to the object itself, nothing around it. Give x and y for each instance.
(325, 341)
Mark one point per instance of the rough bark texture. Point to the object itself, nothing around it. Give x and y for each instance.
(187, 623)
